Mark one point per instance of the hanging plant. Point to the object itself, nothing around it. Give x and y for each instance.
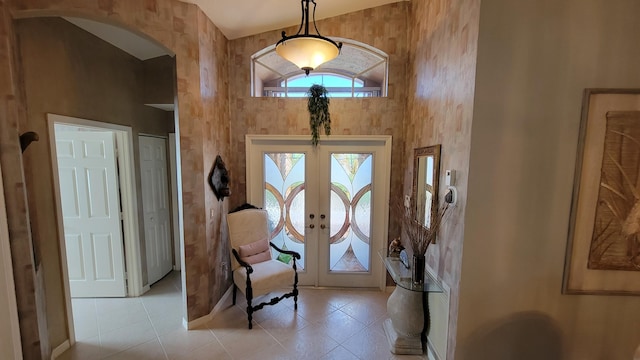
(318, 105)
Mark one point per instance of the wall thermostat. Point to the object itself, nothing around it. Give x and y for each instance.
(450, 177)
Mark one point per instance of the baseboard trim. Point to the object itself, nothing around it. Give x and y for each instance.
(390, 289)
(194, 324)
(60, 349)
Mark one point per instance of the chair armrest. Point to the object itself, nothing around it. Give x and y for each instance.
(244, 264)
(288, 252)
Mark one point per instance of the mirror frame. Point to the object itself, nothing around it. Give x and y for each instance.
(418, 153)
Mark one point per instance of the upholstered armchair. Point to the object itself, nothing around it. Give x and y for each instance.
(255, 271)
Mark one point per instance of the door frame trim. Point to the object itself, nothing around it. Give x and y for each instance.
(252, 140)
(178, 237)
(128, 198)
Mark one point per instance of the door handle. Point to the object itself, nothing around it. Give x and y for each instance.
(322, 226)
(311, 226)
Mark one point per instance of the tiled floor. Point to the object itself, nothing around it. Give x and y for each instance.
(329, 324)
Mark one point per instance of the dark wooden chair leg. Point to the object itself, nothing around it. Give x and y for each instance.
(235, 288)
(249, 310)
(249, 299)
(295, 285)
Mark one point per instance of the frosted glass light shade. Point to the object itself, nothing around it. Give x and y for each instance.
(307, 52)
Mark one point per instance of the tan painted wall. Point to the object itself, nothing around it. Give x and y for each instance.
(202, 77)
(440, 107)
(70, 72)
(383, 27)
(159, 80)
(534, 60)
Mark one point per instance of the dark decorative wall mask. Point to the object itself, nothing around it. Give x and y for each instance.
(219, 179)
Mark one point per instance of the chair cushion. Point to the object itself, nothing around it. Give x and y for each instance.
(266, 277)
(255, 252)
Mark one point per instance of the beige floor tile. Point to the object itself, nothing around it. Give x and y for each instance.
(151, 350)
(284, 326)
(245, 342)
(121, 339)
(86, 349)
(120, 317)
(329, 324)
(169, 323)
(107, 306)
(365, 312)
(339, 353)
(315, 310)
(310, 342)
(180, 342)
(85, 326)
(275, 351)
(340, 326)
(371, 344)
(212, 350)
(228, 322)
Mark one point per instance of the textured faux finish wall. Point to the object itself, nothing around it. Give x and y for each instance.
(177, 26)
(70, 72)
(29, 287)
(440, 107)
(214, 66)
(535, 58)
(384, 27)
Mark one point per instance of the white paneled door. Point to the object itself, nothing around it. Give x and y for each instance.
(91, 213)
(155, 205)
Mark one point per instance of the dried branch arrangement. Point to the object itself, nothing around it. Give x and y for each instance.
(419, 236)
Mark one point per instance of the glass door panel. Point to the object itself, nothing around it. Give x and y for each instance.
(284, 200)
(350, 204)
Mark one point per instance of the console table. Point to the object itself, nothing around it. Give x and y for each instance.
(407, 308)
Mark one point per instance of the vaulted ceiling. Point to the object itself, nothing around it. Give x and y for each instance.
(243, 18)
(234, 18)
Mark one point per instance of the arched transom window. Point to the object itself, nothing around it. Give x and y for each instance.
(359, 71)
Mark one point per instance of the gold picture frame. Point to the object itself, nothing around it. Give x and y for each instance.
(603, 247)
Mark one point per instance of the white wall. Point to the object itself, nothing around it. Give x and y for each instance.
(534, 60)
(9, 329)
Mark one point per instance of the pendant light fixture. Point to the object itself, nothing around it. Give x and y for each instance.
(306, 50)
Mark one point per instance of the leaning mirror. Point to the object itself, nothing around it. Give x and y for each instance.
(425, 182)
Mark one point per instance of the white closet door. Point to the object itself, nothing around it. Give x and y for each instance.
(155, 205)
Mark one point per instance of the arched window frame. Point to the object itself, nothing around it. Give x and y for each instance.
(378, 61)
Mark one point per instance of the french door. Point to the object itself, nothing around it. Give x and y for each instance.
(329, 203)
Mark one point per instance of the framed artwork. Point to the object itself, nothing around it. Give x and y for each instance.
(603, 248)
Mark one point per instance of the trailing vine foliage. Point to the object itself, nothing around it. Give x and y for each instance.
(318, 105)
